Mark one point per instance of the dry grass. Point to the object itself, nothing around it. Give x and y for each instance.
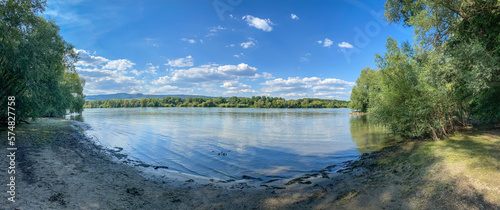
(461, 172)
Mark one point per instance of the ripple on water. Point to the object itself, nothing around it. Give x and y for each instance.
(232, 143)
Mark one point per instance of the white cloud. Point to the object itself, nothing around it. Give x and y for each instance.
(191, 41)
(151, 42)
(217, 28)
(292, 84)
(120, 64)
(327, 42)
(241, 69)
(103, 81)
(263, 24)
(238, 55)
(319, 41)
(295, 95)
(267, 75)
(206, 73)
(248, 44)
(332, 84)
(169, 89)
(241, 91)
(85, 59)
(305, 58)
(181, 62)
(293, 16)
(115, 84)
(264, 75)
(345, 45)
(235, 85)
(104, 76)
(137, 73)
(311, 86)
(152, 68)
(95, 72)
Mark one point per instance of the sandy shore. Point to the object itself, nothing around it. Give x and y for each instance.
(60, 168)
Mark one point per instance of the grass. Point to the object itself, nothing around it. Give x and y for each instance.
(40, 132)
(462, 171)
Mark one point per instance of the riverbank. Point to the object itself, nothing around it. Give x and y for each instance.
(59, 168)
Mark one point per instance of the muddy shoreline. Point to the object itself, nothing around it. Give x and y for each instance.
(60, 168)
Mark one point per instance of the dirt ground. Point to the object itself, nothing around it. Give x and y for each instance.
(57, 167)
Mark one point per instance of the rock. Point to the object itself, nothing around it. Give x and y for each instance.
(143, 165)
(249, 177)
(157, 167)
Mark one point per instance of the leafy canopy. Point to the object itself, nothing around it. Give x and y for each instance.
(36, 64)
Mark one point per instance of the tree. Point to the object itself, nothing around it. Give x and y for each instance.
(36, 64)
(399, 105)
(366, 87)
(451, 75)
(467, 33)
(240, 102)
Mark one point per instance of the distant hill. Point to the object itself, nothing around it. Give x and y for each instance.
(136, 96)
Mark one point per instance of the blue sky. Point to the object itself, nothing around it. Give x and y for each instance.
(291, 49)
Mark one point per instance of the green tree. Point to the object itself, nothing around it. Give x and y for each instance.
(144, 102)
(366, 87)
(399, 105)
(36, 64)
(467, 33)
(240, 102)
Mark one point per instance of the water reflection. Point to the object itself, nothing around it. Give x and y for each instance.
(367, 136)
(258, 142)
(78, 117)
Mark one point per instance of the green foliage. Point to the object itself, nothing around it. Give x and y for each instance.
(36, 64)
(467, 33)
(365, 90)
(450, 78)
(413, 101)
(237, 102)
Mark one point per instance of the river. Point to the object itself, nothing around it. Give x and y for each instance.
(229, 143)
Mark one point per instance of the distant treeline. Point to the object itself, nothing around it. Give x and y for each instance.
(238, 102)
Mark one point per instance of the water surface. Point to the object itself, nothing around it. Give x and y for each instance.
(228, 143)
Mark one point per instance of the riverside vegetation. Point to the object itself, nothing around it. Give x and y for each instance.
(450, 76)
(36, 64)
(238, 102)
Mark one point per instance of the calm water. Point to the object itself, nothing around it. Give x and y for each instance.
(261, 143)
